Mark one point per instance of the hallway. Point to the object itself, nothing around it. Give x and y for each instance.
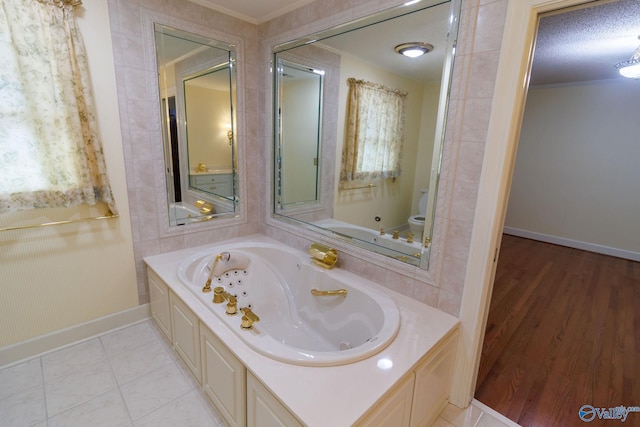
(562, 332)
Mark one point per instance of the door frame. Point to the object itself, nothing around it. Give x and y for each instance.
(512, 82)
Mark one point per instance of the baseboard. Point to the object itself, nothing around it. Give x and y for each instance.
(586, 246)
(54, 340)
(498, 416)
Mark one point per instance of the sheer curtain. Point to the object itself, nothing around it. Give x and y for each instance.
(50, 153)
(375, 132)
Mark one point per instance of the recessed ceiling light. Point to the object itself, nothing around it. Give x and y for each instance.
(413, 49)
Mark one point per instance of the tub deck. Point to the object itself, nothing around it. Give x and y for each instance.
(324, 396)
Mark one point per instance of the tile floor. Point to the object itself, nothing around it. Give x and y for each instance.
(129, 377)
(475, 415)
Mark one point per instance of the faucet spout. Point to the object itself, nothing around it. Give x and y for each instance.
(220, 296)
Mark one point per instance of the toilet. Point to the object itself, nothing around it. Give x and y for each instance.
(416, 222)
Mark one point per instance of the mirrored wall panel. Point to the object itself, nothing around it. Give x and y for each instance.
(299, 117)
(359, 118)
(197, 90)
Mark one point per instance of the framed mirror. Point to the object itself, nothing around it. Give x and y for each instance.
(197, 99)
(359, 122)
(299, 101)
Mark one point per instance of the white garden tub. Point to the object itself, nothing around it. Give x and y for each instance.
(295, 326)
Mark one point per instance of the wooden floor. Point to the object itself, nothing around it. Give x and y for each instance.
(563, 331)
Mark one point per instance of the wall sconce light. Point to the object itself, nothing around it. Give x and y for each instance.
(630, 68)
(413, 49)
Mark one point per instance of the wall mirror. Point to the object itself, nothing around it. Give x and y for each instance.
(327, 131)
(197, 90)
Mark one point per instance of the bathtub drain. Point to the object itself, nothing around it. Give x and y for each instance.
(345, 345)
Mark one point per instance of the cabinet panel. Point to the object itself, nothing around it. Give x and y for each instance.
(395, 408)
(185, 329)
(221, 184)
(432, 385)
(264, 410)
(159, 302)
(223, 379)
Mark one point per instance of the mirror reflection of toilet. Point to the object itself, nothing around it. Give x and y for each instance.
(416, 222)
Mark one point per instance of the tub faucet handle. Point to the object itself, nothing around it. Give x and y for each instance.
(410, 236)
(318, 293)
(232, 307)
(248, 318)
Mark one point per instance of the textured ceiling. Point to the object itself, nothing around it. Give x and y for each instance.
(573, 45)
(585, 44)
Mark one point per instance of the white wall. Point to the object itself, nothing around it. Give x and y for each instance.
(577, 174)
(56, 277)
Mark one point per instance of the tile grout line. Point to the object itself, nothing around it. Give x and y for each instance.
(44, 391)
(115, 378)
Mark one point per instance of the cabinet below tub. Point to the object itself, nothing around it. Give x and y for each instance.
(243, 399)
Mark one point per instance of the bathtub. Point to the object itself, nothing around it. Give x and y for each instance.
(372, 240)
(181, 214)
(295, 326)
(414, 365)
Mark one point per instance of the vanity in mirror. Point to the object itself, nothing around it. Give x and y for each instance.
(359, 118)
(197, 82)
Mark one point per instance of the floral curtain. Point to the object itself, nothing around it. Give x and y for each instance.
(375, 132)
(50, 153)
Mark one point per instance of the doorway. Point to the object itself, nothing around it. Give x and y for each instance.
(541, 292)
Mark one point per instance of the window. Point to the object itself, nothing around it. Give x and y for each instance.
(375, 132)
(50, 153)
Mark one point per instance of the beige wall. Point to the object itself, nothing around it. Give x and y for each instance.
(138, 94)
(209, 118)
(576, 174)
(56, 277)
(429, 117)
(390, 199)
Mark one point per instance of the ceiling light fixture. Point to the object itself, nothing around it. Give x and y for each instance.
(630, 68)
(413, 49)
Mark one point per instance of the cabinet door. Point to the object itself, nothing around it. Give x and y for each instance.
(223, 379)
(394, 410)
(185, 329)
(159, 301)
(264, 410)
(433, 382)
